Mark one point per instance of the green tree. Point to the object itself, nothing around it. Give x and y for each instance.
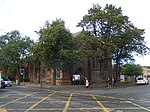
(132, 70)
(132, 41)
(35, 59)
(56, 46)
(86, 46)
(147, 67)
(103, 24)
(118, 38)
(14, 49)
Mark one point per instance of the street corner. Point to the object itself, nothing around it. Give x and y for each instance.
(126, 84)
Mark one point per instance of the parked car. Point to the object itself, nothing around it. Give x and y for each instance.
(76, 80)
(3, 85)
(142, 80)
(8, 83)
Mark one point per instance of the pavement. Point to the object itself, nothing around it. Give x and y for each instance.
(78, 87)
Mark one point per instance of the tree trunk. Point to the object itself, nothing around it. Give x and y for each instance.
(18, 75)
(54, 76)
(118, 70)
(100, 70)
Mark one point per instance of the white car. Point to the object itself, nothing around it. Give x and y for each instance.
(2, 85)
(142, 80)
(8, 83)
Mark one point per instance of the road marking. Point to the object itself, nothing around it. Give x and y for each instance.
(68, 102)
(39, 102)
(15, 100)
(139, 106)
(4, 96)
(103, 107)
(77, 109)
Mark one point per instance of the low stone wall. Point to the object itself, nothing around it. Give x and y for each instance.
(63, 82)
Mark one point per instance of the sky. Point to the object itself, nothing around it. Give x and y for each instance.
(28, 16)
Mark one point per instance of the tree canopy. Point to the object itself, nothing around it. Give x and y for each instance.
(116, 34)
(132, 70)
(13, 49)
(86, 46)
(117, 37)
(56, 45)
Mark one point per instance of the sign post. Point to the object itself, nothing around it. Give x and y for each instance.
(23, 75)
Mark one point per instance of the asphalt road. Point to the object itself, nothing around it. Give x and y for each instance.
(79, 99)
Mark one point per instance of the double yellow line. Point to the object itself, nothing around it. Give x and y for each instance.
(40, 101)
(68, 102)
(100, 104)
(4, 110)
(15, 100)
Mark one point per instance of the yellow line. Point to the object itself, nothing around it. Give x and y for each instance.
(40, 102)
(103, 107)
(138, 106)
(120, 108)
(68, 102)
(15, 100)
(4, 96)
